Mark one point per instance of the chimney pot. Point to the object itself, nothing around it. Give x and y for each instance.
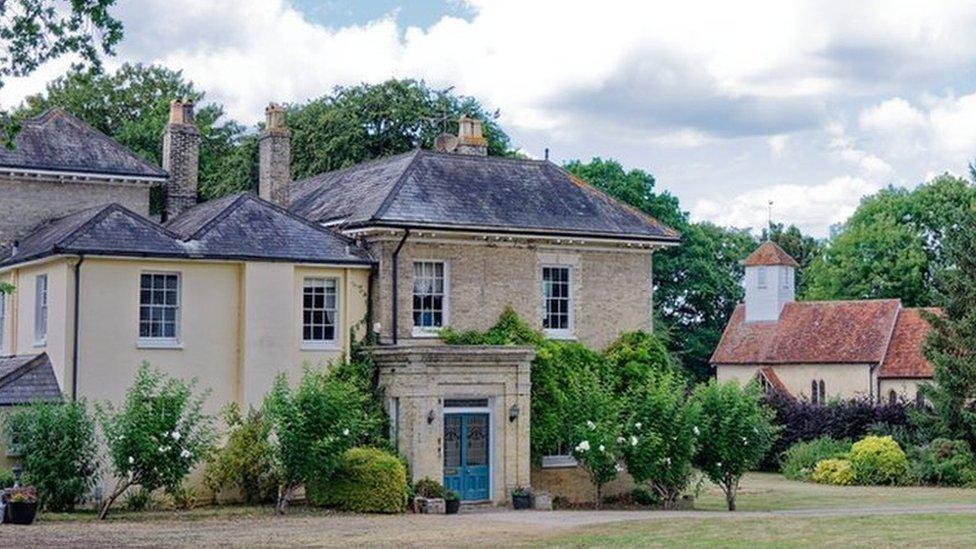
(471, 141)
(274, 116)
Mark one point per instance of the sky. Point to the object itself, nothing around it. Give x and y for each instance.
(730, 105)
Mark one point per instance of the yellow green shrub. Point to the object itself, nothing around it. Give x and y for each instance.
(367, 480)
(878, 460)
(833, 471)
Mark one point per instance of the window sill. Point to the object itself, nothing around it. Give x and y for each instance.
(42, 343)
(426, 332)
(320, 346)
(558, 462)
(159, 344)
(559, 334)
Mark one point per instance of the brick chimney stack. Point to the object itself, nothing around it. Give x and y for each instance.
(274, 151)
(181, 157)
(470, 139)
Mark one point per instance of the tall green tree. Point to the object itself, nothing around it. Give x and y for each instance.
(891, 247)
(696, 284)
(33, 32)
(951, 344)
(131, 105)
(359, 123)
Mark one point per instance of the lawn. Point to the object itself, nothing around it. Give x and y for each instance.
(774, 512)
(770, 491)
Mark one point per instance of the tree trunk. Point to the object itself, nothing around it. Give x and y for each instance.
(599, 496)
(284, 495)
(111, 499)
(731, 487)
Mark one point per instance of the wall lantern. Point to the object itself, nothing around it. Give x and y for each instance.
(513, 412)
(431, 416)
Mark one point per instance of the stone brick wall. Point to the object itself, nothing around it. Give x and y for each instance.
(573, 485)
(611, 289)
(24, 203)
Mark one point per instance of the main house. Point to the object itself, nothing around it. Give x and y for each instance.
(234, 291)
(820, 350)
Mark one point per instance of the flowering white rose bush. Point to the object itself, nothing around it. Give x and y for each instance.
(660, 435)
(597, 428)
(157, 436)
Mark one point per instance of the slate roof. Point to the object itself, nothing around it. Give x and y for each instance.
(237, 227)
(58, 141)
(817, 332)
(430, 189)
(769, 253)
(27, 378)
(904, 358)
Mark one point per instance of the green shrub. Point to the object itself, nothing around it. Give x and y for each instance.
(637, 358)
(428, 488)
(367, 480)
(157, 436)
(246, 461)
(58, 451)
(509, 330)
(799, 460)
(642, 496)
(878, 460)
(833, 471)
(140, 499)
(6, 478)
(658, 441)
(942, 462)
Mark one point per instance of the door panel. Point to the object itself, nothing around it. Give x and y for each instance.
(466, 455)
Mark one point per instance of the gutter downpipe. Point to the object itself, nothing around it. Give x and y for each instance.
(74, 343)
(396, 255)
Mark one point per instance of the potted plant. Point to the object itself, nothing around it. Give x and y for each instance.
(521, 498)
(452, 502)
(22, 505)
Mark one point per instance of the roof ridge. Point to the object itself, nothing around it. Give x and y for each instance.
(217, 217)
(395, 189)
(19, 371)
(839, 301)
(59, 111)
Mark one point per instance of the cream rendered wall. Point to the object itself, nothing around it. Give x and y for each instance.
(612, 290)
(109, 351)
(60, 308)
(840, 380)
(906, 389)
(6, 336)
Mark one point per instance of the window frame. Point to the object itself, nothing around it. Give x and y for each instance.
(334, 341)
(41, 309)
(175, 342)
(570, 330)
(431, 331)
(762, 277)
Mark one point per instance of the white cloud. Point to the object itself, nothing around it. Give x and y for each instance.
(695, 89)
(812, 208)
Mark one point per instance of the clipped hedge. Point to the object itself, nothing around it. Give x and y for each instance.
(833, 471)
(878, 460)
(367, 480)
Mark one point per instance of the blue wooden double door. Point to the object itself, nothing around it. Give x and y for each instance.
(466, 458)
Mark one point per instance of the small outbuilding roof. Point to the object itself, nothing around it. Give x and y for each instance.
(28, 378)
(768, 254)
(57, 141)
(241, 227)
(456, 191)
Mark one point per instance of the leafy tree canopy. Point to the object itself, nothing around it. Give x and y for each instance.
(36, 31)
(892, 246)
(131, 105)
(359, 123)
